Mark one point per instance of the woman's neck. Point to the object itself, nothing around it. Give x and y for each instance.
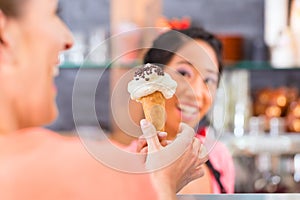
(8, 121)
(172, 133)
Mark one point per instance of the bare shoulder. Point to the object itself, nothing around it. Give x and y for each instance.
(60, 167)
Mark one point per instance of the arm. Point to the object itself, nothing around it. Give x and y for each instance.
(175, 165)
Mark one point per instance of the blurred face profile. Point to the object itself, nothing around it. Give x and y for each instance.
(36, 38)
(195, 69)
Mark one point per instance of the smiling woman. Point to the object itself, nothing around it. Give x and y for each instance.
(40, 164)
(194, 94)
(29, 52)
(193, 59)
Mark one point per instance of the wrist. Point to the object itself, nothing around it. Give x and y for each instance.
(165, 189)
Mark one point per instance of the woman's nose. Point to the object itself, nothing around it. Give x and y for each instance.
(68, 39)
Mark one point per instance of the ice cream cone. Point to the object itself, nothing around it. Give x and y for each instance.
(151, 86)
(154, 109)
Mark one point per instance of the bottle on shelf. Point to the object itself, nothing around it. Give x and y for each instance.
(295, 27)
(284, 52)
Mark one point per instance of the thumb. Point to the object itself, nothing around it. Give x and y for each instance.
(184, 138)
(173, 151)
(150, 135)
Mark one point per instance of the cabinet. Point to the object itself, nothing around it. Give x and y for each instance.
(239, 87)
(265, 162)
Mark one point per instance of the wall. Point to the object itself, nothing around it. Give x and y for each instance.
(220, 16)
(84, 15)
(86, 82)
(228, 16)
(223, 16)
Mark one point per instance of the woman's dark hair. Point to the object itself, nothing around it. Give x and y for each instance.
(167, 44)
(12, 8)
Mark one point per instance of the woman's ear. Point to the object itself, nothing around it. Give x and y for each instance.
(2, 25)
(5, 40)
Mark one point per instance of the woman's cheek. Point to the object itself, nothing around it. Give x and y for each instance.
(206, 108)
(180, 86)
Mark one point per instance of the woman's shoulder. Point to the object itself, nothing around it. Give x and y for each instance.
(48, 146)
(220, 154)
(65, 163)
(220, 148)
(217, 150)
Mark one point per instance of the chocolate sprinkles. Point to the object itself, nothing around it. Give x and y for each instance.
(148, 69)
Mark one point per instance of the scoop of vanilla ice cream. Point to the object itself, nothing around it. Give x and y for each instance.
(151, 78)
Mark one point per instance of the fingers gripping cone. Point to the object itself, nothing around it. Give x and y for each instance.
(154, 109)
(150, 135)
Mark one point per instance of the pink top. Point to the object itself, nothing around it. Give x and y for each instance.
(222, 161)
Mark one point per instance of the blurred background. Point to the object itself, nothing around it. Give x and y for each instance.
(260, 86)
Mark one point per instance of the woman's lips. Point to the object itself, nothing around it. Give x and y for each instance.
(56, 68)
(55, 71)
(54, 88)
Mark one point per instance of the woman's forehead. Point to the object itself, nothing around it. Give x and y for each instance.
(200, 54)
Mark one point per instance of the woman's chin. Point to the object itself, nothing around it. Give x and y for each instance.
(172, 131)
(51, 117)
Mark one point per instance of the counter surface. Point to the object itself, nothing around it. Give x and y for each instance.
(285, 196)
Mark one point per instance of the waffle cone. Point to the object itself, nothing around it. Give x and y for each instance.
(154, 109)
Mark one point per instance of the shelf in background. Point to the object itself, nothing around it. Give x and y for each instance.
(287, 143)
(69, 65)
(246, 65)
(243, 196)
(252, 65)
(91, 65)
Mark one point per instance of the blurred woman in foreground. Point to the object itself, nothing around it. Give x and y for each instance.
(39, 164)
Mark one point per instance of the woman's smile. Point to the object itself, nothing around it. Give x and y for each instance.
(188, 112)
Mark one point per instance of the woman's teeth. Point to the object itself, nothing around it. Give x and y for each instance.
(55, 71)
(188, 109)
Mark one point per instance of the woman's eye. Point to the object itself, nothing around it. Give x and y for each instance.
(184, 73)
(210, 81)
